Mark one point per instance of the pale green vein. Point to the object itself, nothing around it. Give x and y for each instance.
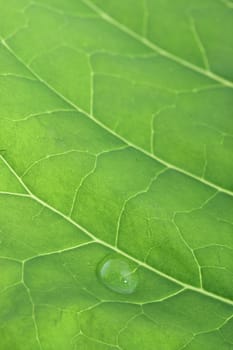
(103, 126)
(126, 325)
(85, 177)
(35, 115)
(54, 155)
(14, 194)
(154, 116)
(135, 195)
(156, 48)
(60, 251)
(192, 252)
(117, 250)
(33, 310)
(200, 45)
(169, 296)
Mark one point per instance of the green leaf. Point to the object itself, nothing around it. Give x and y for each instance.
(116, 163)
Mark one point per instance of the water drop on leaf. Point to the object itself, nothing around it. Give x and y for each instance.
(118, 274)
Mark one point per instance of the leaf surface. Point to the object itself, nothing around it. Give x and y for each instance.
(116, 138)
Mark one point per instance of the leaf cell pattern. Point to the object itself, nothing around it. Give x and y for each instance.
(116, 137)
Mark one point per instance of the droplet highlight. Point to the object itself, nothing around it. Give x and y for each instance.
(118, 274)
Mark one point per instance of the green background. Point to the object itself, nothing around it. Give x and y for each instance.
(116, 138)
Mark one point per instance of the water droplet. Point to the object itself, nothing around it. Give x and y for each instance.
(118, 274)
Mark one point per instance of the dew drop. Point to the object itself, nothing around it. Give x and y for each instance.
(118, 274)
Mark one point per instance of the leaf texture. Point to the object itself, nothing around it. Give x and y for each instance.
(116, 140)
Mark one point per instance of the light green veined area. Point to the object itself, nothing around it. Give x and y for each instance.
(116, 164)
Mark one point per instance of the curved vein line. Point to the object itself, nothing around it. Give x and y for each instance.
(113, 248)
(155, 47)
(106, 128)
